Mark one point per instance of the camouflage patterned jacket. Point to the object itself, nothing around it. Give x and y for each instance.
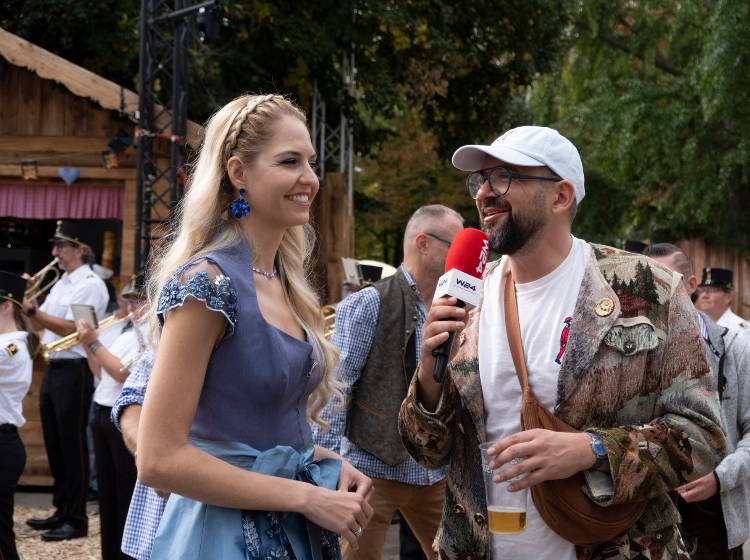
(634, 372)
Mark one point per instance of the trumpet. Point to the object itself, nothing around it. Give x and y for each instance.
(71, 340)
(35, 287)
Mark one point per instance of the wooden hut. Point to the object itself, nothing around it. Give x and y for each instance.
(56, 122)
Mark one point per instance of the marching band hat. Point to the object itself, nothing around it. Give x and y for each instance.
(12, 287)
(713, 276)
(136, 288)
(72, 231)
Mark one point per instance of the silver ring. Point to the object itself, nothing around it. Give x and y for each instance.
(358, 532)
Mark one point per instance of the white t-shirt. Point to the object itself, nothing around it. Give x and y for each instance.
(80, 286)
(15, 376)
(545, 309)
(126, 347)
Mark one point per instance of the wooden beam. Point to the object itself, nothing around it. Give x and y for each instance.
(52, 171)
(54, 144)
(127, 243)
(66, 160)
(80, 81)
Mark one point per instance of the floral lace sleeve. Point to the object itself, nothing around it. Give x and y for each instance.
(206, 282)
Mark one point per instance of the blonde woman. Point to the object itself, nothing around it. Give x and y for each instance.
(242, 366)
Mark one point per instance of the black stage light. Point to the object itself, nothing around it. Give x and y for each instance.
(208, 19)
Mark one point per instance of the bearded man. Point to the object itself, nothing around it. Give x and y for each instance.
(632, 378)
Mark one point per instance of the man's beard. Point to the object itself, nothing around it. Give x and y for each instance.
(509, 237)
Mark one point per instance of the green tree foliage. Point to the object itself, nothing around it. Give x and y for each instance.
(656, 96)
(399, 176)
(100, 35)
(431, 75)
(460, 64)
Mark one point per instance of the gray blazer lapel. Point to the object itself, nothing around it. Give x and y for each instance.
(589, 325)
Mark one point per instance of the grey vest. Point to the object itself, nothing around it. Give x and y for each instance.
(372, 421)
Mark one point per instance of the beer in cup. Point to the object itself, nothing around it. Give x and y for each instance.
(506, 511)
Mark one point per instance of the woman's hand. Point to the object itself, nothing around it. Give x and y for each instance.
(344, 513)
(86, 334)
(351, 480)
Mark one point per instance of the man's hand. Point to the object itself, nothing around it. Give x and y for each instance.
(86, 334)
(700, 489)
(444, 317)
(352, 480)
(28, 304)
(546, 455)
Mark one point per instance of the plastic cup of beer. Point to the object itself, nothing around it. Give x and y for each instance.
(506, 511)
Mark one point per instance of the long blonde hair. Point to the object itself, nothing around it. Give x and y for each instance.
(241, 128)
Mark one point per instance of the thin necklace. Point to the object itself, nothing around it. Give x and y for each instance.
(269, 275)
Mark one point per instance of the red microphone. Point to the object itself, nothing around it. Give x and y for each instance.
(464, 267)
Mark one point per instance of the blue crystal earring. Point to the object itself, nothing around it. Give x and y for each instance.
(239, 206)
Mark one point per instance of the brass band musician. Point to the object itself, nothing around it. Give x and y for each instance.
(115, 466)
(18, 344)
(66, 389)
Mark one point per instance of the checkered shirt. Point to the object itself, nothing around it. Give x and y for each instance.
(146, 508)
(356, 323)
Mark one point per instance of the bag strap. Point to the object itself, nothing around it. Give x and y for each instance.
(513, 331)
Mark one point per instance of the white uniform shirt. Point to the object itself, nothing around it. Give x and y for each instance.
(15, 376)
(80, 286)
(732, 321)
(126, 347)
(545, 309)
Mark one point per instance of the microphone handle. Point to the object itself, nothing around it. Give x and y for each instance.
(443, 351)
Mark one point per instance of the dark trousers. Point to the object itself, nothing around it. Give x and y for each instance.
(115, 470)
(704, 530)
(12, 462)
(408, 545)
(64, 405)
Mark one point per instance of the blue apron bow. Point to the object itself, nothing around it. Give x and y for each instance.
(194, 530)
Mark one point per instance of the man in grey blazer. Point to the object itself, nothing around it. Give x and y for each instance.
(716, 508)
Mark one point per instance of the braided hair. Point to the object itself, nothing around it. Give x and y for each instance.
(242, 128)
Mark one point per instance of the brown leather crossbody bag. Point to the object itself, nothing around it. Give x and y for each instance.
(562, 503)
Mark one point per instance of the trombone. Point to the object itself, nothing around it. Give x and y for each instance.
(71, 340)
(35, 286)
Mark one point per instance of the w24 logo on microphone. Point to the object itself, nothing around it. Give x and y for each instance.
(484, 255)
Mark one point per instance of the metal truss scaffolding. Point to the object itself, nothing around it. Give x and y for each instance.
(334, 140)
(162, 118)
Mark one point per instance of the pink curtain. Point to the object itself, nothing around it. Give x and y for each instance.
(47, 200)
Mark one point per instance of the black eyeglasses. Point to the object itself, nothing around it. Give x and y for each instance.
(499, 178)
(448, 243)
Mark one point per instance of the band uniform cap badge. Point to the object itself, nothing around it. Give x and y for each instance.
(11, 349)
(604, 307)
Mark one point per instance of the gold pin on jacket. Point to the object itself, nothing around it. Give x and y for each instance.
(11, 349)
(604, 307)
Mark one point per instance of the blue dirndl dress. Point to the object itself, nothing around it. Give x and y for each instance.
(252, 413)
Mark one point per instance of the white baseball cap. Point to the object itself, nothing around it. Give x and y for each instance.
(528, 146)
